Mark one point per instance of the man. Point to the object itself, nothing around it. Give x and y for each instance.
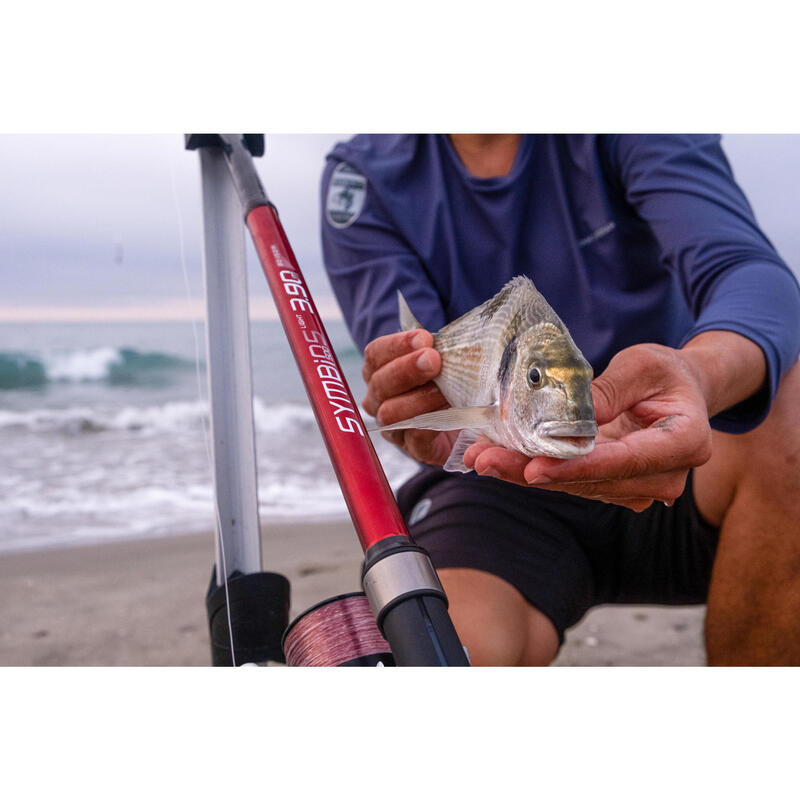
(649, 252)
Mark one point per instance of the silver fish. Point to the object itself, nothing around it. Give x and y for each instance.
(511, 372)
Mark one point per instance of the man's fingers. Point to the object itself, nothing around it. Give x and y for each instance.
(662, 448)
(486, 458)
(395, 437)
(620, 385)
(474, 450)
(429, 447)
(401, 375)
(410, 404)
(635, 493)
(666, 487)
(489, 459)
(673, 443)
(633, 503)
(384, 349)
(398, 369)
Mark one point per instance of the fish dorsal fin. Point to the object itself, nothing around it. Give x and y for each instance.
(521, 297)
(407, 320)
(518, 305)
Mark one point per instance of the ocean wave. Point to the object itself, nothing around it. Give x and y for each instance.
(117, 366)
(172, 416)
(82, 419)
(282, 417)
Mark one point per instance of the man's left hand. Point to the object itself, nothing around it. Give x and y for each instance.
(652, 416)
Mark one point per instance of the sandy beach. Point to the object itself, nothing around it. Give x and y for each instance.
(141, 602)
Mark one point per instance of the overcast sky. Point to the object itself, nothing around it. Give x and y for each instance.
(91, 221)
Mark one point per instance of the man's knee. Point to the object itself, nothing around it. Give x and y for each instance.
(759, 629)
(495, 622)
(754, 599)
(763, 464)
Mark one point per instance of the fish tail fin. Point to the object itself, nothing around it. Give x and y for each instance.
(407, 320)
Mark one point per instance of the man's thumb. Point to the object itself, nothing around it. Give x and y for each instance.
(622, 384)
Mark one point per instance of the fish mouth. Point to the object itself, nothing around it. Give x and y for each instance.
(579, 428)
(578, 434)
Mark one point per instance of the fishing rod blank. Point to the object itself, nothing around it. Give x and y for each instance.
(402, 587)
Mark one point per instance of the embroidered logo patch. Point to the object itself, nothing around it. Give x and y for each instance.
(347, 191)
(420, 511)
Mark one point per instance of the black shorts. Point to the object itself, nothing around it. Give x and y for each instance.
(564, 554)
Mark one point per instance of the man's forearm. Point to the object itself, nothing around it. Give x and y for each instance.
(729, 367)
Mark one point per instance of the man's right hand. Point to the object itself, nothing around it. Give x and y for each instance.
(399, 369)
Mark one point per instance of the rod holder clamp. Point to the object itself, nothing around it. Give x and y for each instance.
(254, 142)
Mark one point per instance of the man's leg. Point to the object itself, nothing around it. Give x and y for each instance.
(751, 489)
(495, 622)
(507, 557)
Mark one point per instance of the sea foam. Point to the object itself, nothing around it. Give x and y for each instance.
(82, 365)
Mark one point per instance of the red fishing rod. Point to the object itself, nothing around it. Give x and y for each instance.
(404, 593)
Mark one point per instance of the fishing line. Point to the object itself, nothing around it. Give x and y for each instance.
(337, 631)
(203, 417)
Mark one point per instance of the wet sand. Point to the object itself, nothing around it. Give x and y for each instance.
(141, 602)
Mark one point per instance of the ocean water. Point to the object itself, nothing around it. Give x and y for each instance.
(102, 432)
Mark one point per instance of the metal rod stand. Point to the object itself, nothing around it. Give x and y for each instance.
(256, 602)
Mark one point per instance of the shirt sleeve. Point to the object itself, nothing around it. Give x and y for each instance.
(731, 276)
(367, 260)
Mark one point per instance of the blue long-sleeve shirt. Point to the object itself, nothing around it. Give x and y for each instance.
(630, 238)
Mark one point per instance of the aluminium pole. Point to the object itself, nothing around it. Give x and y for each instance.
(238, 543)
(255, 603)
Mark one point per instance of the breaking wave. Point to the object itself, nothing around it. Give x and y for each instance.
(117, 366)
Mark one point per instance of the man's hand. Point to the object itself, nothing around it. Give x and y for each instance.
(651, 406)
(398, 370)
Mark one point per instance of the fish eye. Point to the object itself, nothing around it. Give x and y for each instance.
(535, 377)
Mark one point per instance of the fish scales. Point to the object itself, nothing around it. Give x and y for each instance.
(461, 371)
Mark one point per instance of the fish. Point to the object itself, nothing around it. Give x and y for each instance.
(510, 372)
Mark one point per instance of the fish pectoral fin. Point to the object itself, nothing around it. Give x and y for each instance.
(455, 462)
(448, 419)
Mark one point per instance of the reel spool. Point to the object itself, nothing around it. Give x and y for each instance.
(339, 632)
